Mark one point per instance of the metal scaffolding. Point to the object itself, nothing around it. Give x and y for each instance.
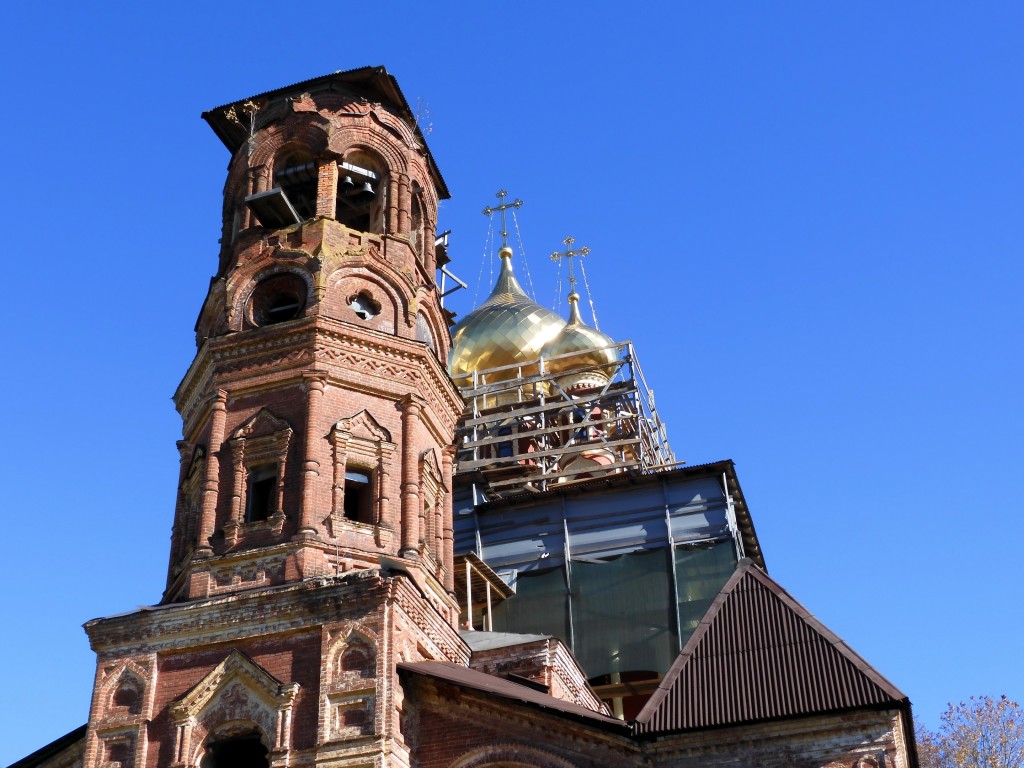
(528, 426)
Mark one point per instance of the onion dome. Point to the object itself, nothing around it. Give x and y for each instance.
(509, 329)
(580, 356)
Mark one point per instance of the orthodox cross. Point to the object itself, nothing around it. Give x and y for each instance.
(569, 254)
(502, 207)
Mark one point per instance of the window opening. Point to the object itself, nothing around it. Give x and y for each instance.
(128, 697)
(359, 195)
(298, 179)
(358, 497)
(416, 235)
(260, 497)
(277, 299)
(242, 752)
(364, 306)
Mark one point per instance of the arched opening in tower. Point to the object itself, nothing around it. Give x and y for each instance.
(236, 752)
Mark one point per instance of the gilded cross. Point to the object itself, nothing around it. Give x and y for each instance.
(570, 254)
(502, 207)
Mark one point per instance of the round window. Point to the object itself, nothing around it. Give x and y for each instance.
(278, 298)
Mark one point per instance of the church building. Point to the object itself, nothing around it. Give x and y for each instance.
(401, 542)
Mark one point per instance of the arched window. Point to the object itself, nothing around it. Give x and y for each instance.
(277, 299)
(295, 172)
(416, 233)
(127, 696)
(362, 192)
(358, 658)
(237, 752)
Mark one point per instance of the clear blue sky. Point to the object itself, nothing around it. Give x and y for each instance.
(807, 216)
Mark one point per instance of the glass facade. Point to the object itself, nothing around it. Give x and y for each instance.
(622, 576)
(621, 614)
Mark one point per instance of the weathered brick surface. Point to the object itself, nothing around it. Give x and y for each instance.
(547, 662)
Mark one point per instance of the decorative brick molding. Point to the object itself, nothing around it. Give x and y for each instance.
(359, 441)
(238, 693)
(262, 439)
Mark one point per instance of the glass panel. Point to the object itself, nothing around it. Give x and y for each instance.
(701, 574)
(622, 613)
(540, 605)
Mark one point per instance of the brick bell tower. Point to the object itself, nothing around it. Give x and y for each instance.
(312, 540)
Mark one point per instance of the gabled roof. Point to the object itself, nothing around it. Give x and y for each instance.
(496, 686)
(759, 655)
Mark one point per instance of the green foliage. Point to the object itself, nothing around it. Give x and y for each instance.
(980, 733)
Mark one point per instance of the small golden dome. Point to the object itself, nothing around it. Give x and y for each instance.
(591, 358)
(509, 328)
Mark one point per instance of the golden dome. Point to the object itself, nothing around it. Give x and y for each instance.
(509, 328)
(592, 358)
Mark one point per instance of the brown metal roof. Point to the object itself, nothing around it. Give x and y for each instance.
(496, 686)
(759, 655)
(55, 747)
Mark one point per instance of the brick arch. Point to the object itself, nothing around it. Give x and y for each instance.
(372, 140)
(510, 755)
(429, 193)
(127, 674)
(309, 134)
(237, 697)
(243, 292)
(436, 324)
(204, 734)
(346, 639)
(396, 125)
(128, 694)
(378, 273)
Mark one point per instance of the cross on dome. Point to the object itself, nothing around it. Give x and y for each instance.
(501, 208)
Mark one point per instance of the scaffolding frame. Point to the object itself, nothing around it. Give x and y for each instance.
(526, 428)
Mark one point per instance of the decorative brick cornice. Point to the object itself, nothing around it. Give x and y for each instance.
(410, 366)
(411, 603)
(231, 359)
(235, 616)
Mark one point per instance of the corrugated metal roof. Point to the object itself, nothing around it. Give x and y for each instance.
(496, 686)
(759, 655)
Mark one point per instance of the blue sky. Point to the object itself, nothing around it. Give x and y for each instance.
(806, 216)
